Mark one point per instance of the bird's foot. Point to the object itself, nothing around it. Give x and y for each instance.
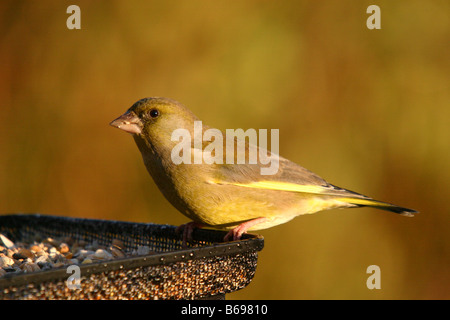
(187, 230)
(236, 233)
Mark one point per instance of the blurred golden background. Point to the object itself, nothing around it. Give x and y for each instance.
(368, 110)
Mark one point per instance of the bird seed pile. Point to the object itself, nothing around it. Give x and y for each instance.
(50, 253)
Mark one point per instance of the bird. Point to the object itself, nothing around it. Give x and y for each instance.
(227, 195)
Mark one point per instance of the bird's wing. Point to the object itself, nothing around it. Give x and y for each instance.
(289, 176)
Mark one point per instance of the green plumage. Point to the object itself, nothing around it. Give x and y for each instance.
(224, 195)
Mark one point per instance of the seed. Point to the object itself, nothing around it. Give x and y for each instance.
(36, 248)
(102, 254)
(8, 243)
(63, 248)
(27, 253)
(30, 267)
(6, 261)
(118, 243)
(18, 256)
(68, 255)
(52, 241)
(116, 252)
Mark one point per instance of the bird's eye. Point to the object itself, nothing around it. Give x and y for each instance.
(154, 113)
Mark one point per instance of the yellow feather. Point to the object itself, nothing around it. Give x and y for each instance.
(282, 186)
(365, 202)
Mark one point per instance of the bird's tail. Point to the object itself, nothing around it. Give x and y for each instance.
(379, 205)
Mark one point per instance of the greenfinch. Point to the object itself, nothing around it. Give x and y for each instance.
(222, 194)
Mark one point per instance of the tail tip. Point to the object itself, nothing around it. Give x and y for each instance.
(408, 213)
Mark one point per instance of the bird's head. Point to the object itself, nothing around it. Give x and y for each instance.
(154, 120)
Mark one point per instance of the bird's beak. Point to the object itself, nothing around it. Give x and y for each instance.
(128, 122)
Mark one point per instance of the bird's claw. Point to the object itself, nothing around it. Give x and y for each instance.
(187, 230)
(236, 233)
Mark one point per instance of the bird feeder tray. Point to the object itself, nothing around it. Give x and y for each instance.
(207, 268)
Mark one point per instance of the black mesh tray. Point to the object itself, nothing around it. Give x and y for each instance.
(208, 268)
